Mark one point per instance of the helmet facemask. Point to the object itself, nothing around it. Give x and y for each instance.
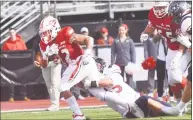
(160, 9)
(46, 36)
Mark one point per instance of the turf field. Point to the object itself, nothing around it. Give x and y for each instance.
(93, 114)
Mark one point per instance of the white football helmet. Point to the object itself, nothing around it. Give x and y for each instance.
(48, 29)
(160, 9)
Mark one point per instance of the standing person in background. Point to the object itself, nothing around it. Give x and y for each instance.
(15, 42)
(162, 83)
(52, 71)
(150, 49)
(84, 31)
(123, 52)
(105, 39)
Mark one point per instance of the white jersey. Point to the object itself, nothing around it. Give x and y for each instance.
(120, 87)
(186, 25)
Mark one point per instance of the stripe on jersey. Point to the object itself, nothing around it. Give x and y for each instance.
(77, 70)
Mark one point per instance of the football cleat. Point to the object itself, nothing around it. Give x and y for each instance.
(78, 117)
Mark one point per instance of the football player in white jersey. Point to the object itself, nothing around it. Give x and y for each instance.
(139, 107)
(182, 15)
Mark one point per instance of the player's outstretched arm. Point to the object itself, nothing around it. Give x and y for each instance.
(105, 82)
(149, 31)
(84, 40)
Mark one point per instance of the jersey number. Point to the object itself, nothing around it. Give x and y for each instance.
(67, 58)
(168, 35)
(117, 88)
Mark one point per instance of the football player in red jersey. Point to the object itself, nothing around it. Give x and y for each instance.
(66, 46)
(160, 20)
(51, 66)
(181, 12)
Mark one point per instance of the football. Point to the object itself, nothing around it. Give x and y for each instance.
(39, 62)
(38, 58)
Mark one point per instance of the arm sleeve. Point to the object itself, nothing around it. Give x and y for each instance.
(151, 18)
(37, 47)
(145, 49)
(133, 52)
(113, 52)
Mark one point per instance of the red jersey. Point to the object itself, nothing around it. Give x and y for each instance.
(166, 28)
(68, 51)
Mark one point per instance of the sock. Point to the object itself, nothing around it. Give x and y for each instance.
(114, 98)
(74, 105)
(181, 105)
(178, 100)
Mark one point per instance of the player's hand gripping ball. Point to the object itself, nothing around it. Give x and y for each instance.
(39, 62)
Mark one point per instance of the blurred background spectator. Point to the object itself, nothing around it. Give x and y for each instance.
(104, 38)
(84, 31)
(15, 42)
(150, 49)
(162, 82)
(123, 52)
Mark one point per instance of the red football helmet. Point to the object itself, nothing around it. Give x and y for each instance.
(68, 33)
(160, 9)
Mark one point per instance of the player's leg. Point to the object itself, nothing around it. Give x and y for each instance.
(65, 89)
(187, 94)
(121, 110)
(46, 72)
(108, 96)
(148, 107)
(179, 74)
(176, 73)
(160, 68)
(55, 82)
(75, 73)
